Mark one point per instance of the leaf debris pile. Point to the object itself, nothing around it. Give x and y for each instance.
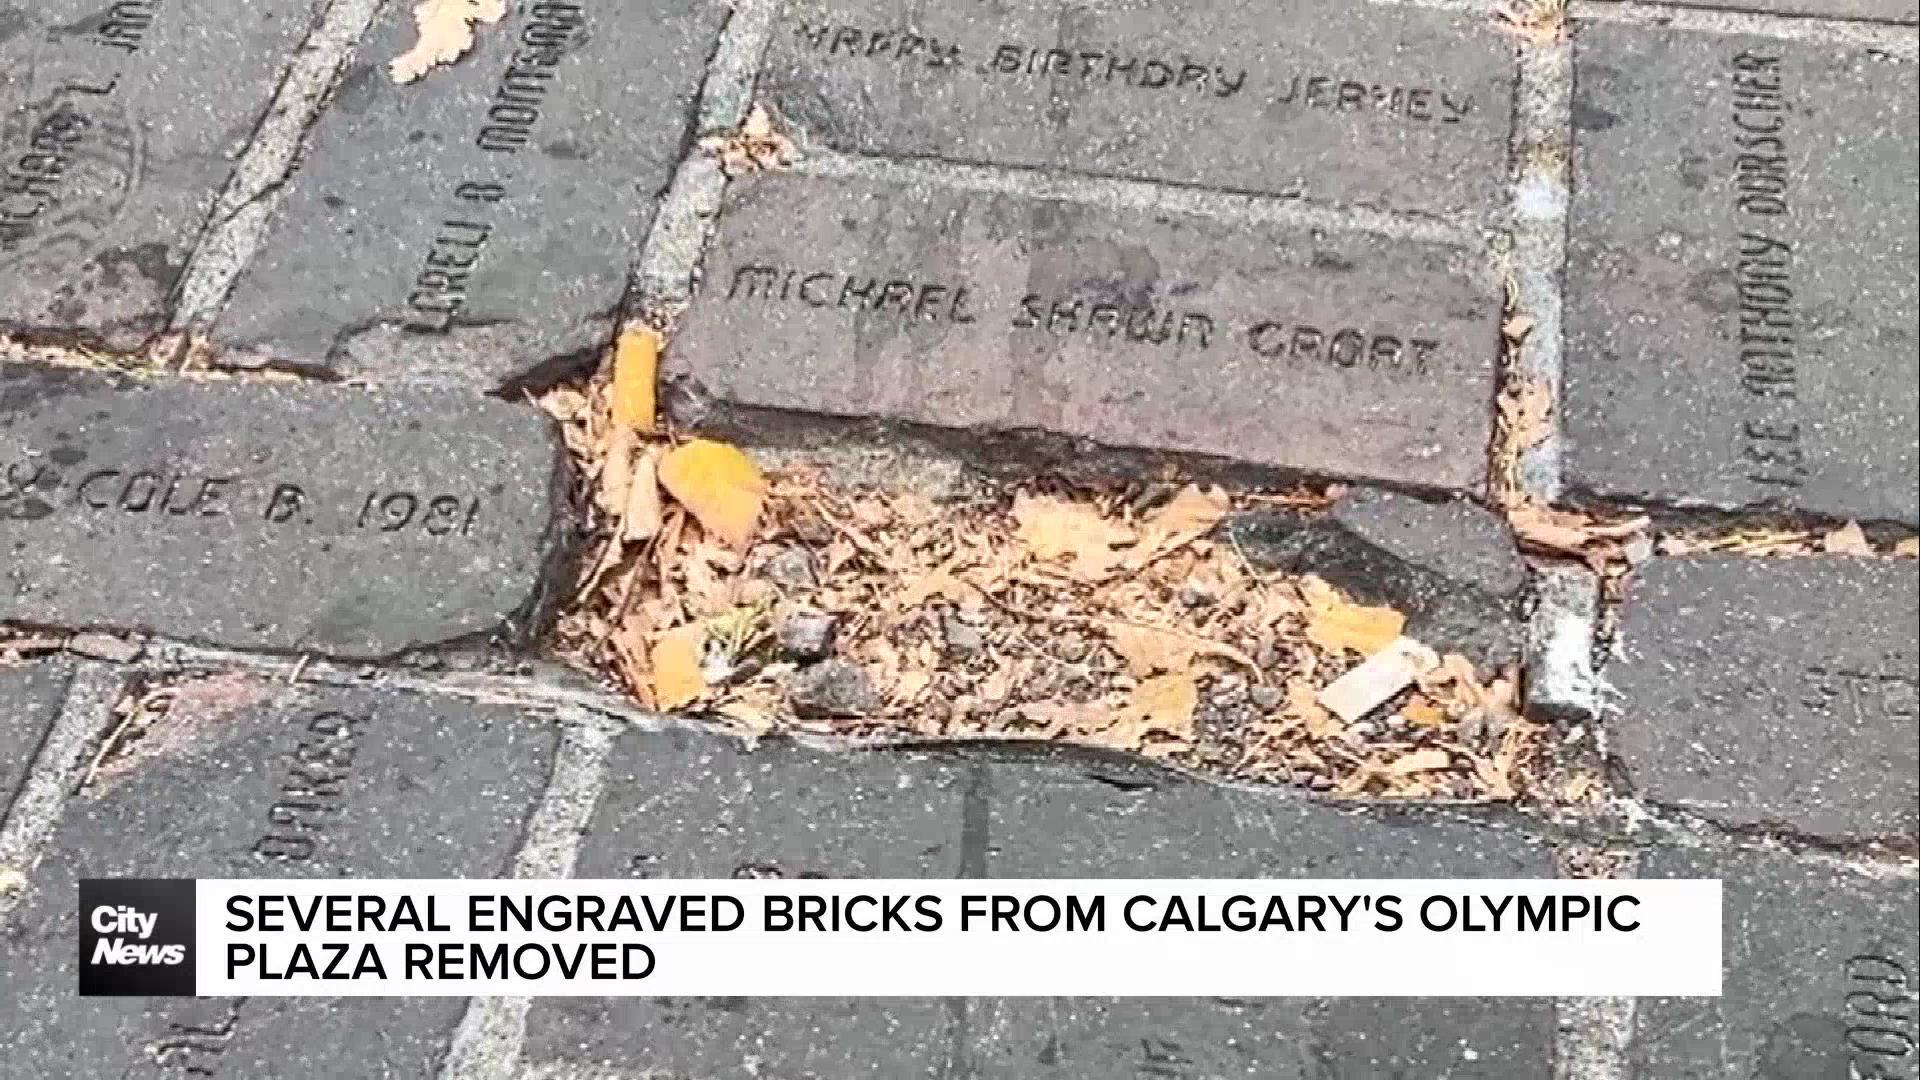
(445, 34)
(1104, 618)
(756, 146)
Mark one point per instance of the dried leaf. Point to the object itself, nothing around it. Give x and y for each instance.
(1303, 704)
(1187, 517)
(446, 33)
(1420, 712)
(1517, 327)
(1420, 761)
(645, 514)
(11, 881)
(1148, 651)
(636, 367)
(1908, 548)
(1848, 539)
(1164, 704)
(1055, 529)
(719, 485)
(677, 678)
(1337, 624)
(1381, 676)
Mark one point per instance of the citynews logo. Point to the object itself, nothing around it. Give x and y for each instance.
(136, 938)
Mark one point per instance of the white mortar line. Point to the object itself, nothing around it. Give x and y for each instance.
(670, 261)
(486, 1044)
(89, 698)
(1898, 41)
(241, 215)
(1542, 155)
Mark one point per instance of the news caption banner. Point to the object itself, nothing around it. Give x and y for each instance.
(283, 516)
(118, 123)
(1726, 714)
(1742, 290)
(680, 806)
(290, 782)
(1396, 107)
(483, 220)
(1293, 348)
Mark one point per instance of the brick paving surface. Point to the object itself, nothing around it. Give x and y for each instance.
(1285, 239)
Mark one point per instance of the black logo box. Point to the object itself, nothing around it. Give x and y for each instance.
(115, 961)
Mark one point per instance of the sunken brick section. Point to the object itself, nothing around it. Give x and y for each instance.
(484, 219)
(1743, 275)
(1346, 354)
(1398, 107)
(1777, 691)
(271, 782)
(118, 123)
(683, 806)
(282, 516)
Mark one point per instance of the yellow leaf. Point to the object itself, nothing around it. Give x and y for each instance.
(446, 33)
(720, 486)
(677, 680)
(1055, 529)
(1337, 623)
(1908, 548)
(636, 367)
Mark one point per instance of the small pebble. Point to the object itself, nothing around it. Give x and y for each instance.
(1266, 697)
(806, 634)
(832, 688)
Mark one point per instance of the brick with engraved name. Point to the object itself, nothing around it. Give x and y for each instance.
(1743, 281)
(260, 778)
(283, 516)
(1353, 355)
(682, 805)
(481, 221)
(30, 697)
(118, 122)
(1822, 976)
(1777, 691)
(1402, 107)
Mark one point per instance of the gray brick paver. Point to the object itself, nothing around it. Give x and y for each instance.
(425, 789)
(281, 516)
(118, 123)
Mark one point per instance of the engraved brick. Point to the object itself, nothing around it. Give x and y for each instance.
(418, 788)
(1057, 821)
(680, 805)
(1743, 274)
(1773, 691)
(277, 516)
(30, 697)
(683, 806)
(482, 220)
(118, 123)
(1406, 108)
(1822, 973)
(1352, 355)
